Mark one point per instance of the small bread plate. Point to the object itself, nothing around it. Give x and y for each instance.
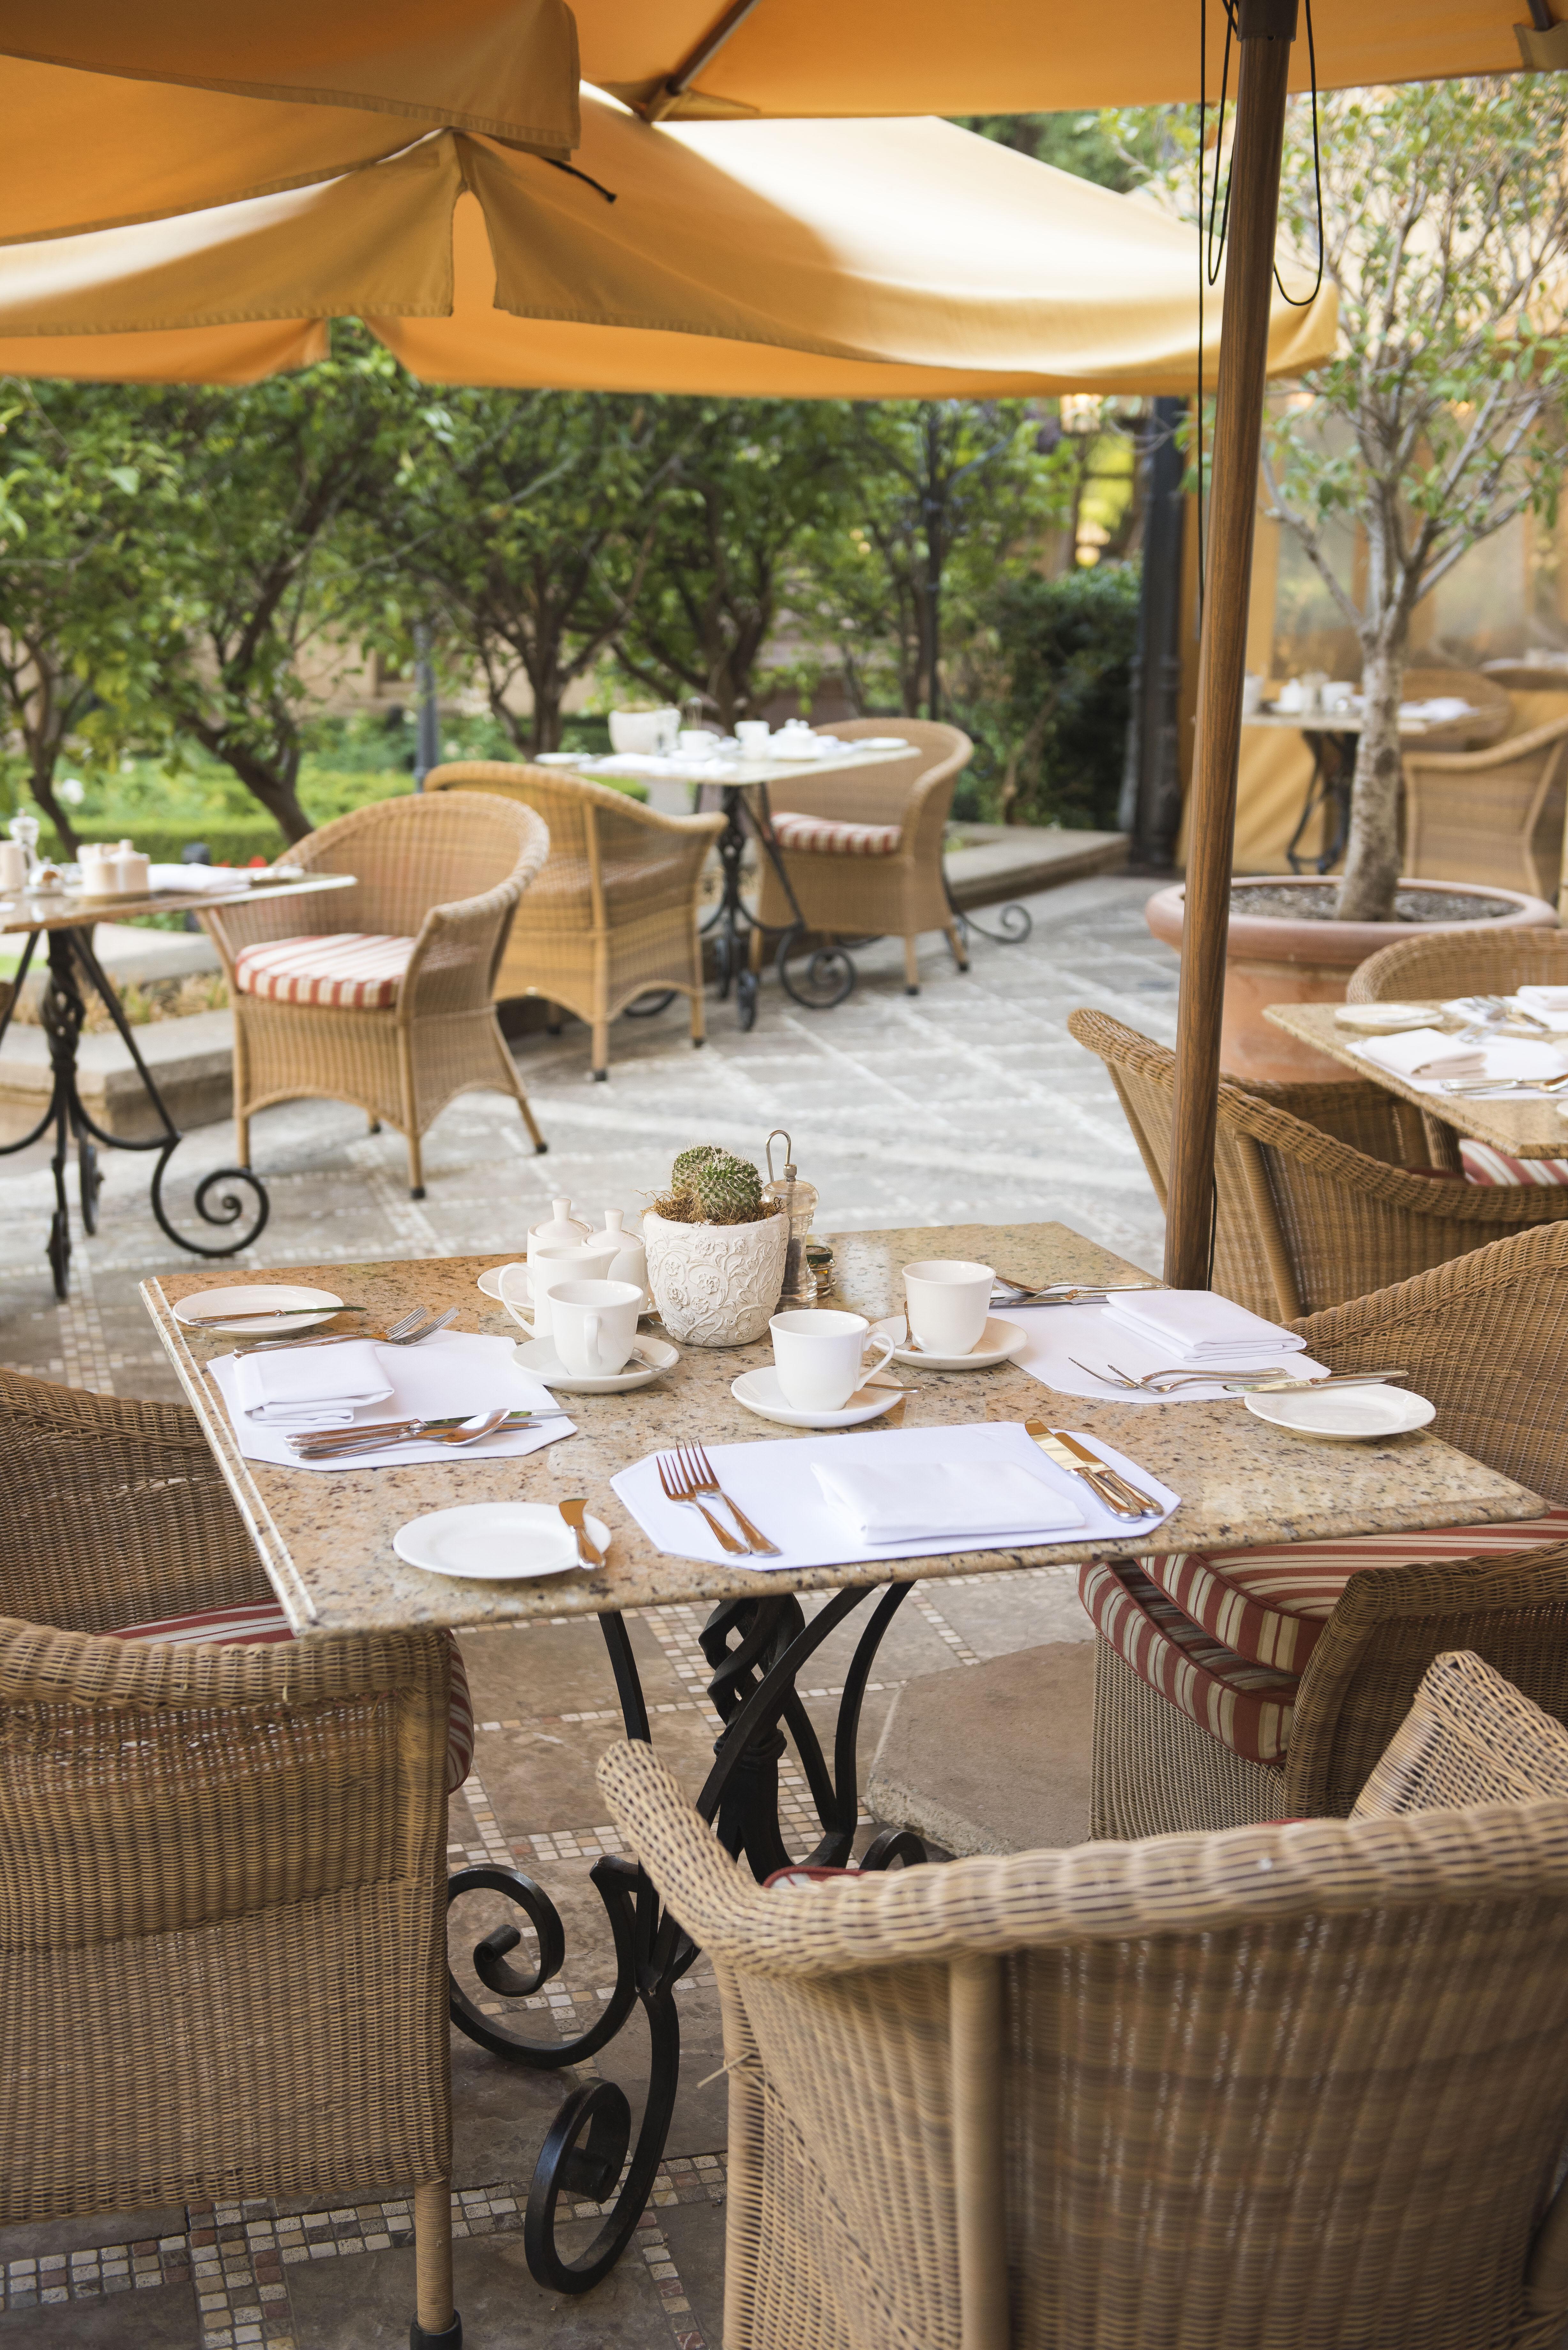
(495, 1542)
(1345, 1415)
(539, 1355)
(999, 1342)
(261, 1306)
(761, 1392)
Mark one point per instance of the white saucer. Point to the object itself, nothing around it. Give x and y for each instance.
(489, 1282)
(495, 1542)
(250, 1303)
(1345, 1415)
(539, 1355)
(760, 1392)
(556, 758)
(999, 1342)
(882, 742)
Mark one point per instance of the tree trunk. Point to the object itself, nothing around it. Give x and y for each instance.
(275, 792)
(41, 781)
(1372, 853)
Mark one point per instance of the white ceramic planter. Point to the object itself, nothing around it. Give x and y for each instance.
(715, 1284)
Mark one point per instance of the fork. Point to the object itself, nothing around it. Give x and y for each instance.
(405, 1332)
(672, 1476)
(1062, 1293)
(1268, 1381)
(417, 1431)
(693, 1456)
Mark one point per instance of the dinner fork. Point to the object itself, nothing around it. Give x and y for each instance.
(705, 1482)
(672, 1476)
(1271, 1377)
(407, 1331)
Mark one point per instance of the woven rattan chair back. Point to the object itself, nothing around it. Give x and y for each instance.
(222, 1869)
(1493, 816)
(1472, 960)
(414, 853)
(1303, 1219)
(1288, 2085)
(1468, 1738)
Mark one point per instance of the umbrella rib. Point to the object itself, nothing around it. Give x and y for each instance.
(707, 49)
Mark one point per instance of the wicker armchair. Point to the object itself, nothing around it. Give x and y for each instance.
(383, 998)
(1490, 815)
(613, 913)
(1485, 1338)
(222, 1869)
(1472, 960)
(1313, 1207)
(885, 879)
(1288, 2086)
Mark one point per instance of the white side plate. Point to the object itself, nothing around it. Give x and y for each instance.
(1345, 1415)
(999, 1342)
(495, 1542)
(243, 1307)
(761, 1392)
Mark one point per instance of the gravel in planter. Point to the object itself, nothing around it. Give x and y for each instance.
(1315, 902)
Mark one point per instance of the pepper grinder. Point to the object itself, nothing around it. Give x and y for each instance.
(798, 1200)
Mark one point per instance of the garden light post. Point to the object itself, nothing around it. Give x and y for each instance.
(1266, 29)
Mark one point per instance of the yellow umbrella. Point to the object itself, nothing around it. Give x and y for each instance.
(868, 260)
(698, 57)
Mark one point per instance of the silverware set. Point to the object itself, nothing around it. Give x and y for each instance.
(1469, 1087)
(1119, 1493)
(1274, 1380)
(1065, 1292)
(405, 1332)
(687, 1475)
(452, 1432)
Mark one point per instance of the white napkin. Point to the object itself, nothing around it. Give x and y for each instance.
(940, 1498)
(1548, 1004)
(198, 878)
(1059, 1341)
(311, 1386)
(1426, 1053)
(1198, 1327)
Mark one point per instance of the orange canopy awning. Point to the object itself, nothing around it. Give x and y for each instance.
(862, 260)
(929, 57)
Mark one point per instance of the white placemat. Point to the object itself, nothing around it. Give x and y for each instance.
(1504, 1057)
(1057, 1333)
(457, 1373)
(775, 1485)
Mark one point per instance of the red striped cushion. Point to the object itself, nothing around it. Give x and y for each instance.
(1270, 1602)
(346, 971)
(263, 1623)
(820, 836)
(1483, 1164)
(1245, 1706)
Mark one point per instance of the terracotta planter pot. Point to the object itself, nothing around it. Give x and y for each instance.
(1271, 959)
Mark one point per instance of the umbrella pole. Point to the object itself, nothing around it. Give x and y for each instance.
(1267, 28)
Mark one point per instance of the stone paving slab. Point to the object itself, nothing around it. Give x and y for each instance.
(967, 1103)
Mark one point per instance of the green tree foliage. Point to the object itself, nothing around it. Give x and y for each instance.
(1058, 728)
(1446, 233)
(746, 487)
(520, 529)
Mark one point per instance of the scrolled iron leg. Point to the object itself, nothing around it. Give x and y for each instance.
(584, 2152)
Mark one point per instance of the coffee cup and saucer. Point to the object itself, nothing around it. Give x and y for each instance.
(819, 1375)
(948, 1326)
(582, 1335)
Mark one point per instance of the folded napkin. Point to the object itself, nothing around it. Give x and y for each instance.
(1197, 1327)
(1548, 1004)
(311, 1386)
(938, 1498)
(198, 878)
(1426, 1053)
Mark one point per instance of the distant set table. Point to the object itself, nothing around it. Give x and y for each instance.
(743, 786)
(325, 1540)
(1331, 735)
(67, 922)
(1530, 1125)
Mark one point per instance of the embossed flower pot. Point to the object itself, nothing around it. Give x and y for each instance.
(715, 1284)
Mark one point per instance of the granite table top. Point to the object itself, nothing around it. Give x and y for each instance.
(326, 1539)
(1530, 1126)
(72, 911)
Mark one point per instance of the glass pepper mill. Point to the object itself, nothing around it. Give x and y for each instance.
(798, 1200)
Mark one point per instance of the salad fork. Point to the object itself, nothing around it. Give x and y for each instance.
(405, 1332)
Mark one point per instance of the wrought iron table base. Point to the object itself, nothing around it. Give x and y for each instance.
(829, 974)
(756, 1648)
(1333, 771)
(62, 1014)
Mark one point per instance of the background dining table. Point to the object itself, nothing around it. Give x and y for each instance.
(1526, 1126)
(325, 1540)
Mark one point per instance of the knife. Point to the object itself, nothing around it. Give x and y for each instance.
(266, 1313)
(1102, 1469)
(1239, 1386)
(589, 1551)
(1096, 1478)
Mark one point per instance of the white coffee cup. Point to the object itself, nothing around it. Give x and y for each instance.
(643, 733)
(593, 1324)
(13, 867)
(1251, 696)
(520, 1285)
(698, 742)
(820, 1356)
(948, 1302)
(753, 735)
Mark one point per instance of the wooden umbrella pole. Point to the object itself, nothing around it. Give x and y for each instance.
(1266, 29)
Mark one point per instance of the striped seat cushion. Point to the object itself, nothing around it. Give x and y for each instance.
(346, 971)
(818, 836)
(1246, 1707)
(260, 1624)
(1269, 1603)
(1483, 1164)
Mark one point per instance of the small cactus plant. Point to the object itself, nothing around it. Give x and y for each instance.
(710, 1186)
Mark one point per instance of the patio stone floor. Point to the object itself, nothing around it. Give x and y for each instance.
(968, 1103)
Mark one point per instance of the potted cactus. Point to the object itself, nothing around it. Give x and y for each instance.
(715, 1250)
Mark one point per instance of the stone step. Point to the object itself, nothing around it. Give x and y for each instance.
(1012, 861)
(991, 1758)
(189, 1059)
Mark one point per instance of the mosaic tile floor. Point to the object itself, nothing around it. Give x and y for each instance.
(968, 1102)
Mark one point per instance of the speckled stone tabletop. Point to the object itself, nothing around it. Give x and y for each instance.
(326, 1540)
(1531, 1127)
